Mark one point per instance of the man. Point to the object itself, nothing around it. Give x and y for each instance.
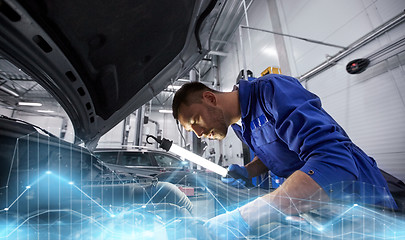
(291, 135)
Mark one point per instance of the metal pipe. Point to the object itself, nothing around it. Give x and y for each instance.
(215, 71)
(193, 75)
(387, 49)
(218, 53)
(354, 46)
(125, 131)
(158, 132)
(281, 49)
(140, 112)
(191, 136)
(243, 53)
(292, 36)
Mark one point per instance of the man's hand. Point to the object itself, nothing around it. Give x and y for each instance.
(239, 177)
(228, 226)
(298, 194)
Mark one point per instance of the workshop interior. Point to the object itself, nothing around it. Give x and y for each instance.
(89, 146)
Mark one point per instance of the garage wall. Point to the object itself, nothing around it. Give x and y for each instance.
(371, 109)
(112, 138)
(370, 106)
(51, 123)
(6, 112)
(166, 122)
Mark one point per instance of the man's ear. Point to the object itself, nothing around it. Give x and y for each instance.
(209, 97)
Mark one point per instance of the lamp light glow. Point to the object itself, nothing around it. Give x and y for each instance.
(192, 157)
(198, 160)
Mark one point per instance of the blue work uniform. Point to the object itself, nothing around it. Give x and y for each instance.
(287, 128)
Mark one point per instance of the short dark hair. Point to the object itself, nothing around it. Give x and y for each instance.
(188, 94)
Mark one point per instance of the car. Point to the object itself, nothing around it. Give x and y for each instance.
(101, 61)
(140, 161)
(50, 182)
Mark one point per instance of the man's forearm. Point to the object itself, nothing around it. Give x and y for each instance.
(256, 167)
(298, 194)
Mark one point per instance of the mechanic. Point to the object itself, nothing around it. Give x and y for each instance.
(291, 135)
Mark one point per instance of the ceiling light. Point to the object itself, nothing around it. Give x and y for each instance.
(31, 104)
(45, 111)
(165, 111)
(172, 87)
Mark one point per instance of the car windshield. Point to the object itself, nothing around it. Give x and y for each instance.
(134, 159)
(107, 157)
(167, 161)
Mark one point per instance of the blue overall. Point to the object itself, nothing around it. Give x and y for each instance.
(286, 127)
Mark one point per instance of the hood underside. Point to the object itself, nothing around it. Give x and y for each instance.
(104, 59)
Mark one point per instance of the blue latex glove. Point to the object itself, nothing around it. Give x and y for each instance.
(228, 226)
(237, 170)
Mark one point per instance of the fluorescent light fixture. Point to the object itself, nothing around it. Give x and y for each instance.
(9, 91)
(192, 157)
(172, 87)
(30, 104)
(165, 111)
(45, 111)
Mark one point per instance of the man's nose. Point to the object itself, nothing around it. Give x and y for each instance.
(199, 131)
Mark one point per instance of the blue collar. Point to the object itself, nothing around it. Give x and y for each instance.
(244, 97)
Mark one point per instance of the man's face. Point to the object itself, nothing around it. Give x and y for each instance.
(204, 119)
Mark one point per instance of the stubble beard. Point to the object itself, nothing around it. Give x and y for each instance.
(220, 127)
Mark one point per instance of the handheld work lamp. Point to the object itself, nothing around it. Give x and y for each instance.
(168, 145)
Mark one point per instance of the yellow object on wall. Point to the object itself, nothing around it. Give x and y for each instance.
(271, 70)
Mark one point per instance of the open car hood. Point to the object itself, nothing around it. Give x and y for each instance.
(104, 59)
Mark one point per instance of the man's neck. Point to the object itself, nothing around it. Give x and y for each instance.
(230, 106)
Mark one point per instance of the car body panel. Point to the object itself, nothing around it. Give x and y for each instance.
(103, 60)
